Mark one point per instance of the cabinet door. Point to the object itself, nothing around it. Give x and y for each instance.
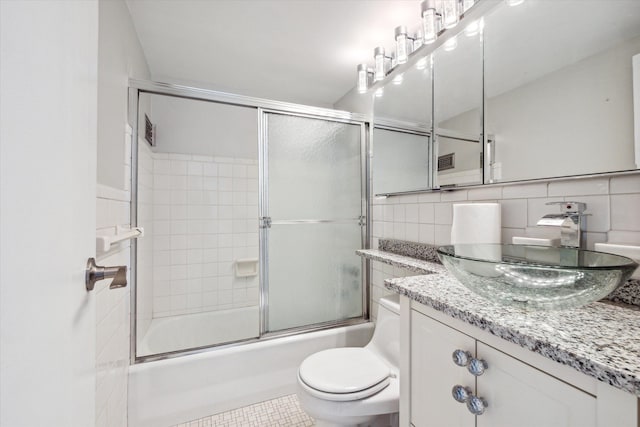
(433, 374)
(518, 394)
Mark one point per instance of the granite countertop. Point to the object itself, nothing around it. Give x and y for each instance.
(601, 340)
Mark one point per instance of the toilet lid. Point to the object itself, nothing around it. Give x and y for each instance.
(343, 370)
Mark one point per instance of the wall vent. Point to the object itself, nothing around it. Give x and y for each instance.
(446, 161)
(149, 131)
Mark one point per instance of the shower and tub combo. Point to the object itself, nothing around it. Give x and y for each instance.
(253, 211)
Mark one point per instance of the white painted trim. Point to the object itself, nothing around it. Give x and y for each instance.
(112, 193)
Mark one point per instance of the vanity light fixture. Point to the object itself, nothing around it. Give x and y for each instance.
(381, 60)
(450, 13)
(364, 75)
(418, 40)
(402, 48)
(436, 17)
(429, 21)
(467, 4)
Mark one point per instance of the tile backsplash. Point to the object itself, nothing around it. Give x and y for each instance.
(613, 203)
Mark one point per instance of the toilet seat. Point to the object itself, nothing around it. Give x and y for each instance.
(344, 374)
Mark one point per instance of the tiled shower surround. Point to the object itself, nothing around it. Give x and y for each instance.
(613, 203)
(205, 217)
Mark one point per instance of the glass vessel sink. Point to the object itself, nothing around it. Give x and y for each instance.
(536, 277)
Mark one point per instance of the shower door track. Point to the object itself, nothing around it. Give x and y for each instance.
(263, 106)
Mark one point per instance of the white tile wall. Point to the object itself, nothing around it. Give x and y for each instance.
(613, 202)
(112, 315)
(205, 217)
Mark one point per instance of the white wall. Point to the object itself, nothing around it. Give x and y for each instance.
(187, 126)
(48, 110)
(120, 57)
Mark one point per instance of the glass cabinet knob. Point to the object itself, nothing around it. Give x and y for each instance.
(461, 394)
(461, 357)
(476, 405)
(477, 366)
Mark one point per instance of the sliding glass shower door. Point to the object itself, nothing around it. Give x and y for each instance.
(312, 221)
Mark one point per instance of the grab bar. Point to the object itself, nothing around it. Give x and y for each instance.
(103, 243)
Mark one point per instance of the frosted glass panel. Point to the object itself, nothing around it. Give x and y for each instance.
(314, 169)
(314, 274)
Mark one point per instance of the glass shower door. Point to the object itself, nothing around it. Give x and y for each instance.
(313, 210)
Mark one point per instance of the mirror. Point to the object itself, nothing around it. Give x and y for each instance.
(457, 99)
(559, 85)
(561, 93)
(401, 133)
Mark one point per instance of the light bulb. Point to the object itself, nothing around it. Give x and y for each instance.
(379, 58)
(450, 44)
(402, 53)
(363, 78)
(429, 27)
(450, 13)
(418, 40)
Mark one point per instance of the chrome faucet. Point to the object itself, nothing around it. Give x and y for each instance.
(572, 223)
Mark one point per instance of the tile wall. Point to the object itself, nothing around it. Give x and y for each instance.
(205, 217)
(112, 314)
(613, 202)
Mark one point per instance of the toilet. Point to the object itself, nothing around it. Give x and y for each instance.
(356, 386)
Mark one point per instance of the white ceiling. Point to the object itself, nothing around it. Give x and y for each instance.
(303, 51)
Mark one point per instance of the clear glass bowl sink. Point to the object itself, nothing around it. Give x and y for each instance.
(536, 277)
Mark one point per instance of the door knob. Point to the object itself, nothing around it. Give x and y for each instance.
(94, 273)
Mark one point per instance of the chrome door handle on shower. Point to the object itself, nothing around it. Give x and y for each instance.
(95, 273)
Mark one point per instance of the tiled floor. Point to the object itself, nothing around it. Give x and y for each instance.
(281, 412)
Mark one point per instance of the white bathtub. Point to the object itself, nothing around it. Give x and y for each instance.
(173, 333)
(172, 391)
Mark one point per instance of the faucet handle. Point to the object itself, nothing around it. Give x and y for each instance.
(570, 207)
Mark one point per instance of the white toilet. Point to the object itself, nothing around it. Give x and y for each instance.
(354, 386)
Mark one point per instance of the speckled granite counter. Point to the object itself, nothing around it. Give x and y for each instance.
(600, 340)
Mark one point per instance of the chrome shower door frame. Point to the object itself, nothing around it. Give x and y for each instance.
(263, 107)
(265, 222)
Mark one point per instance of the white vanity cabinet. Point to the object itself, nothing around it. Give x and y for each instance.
(520, 388)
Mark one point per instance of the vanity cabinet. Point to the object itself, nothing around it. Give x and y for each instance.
(520, 388)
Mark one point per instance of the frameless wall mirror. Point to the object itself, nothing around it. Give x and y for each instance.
(457, 91)
(402, 131)
(560, 79)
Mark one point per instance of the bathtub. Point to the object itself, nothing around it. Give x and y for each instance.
(174, 333)
(172, 391)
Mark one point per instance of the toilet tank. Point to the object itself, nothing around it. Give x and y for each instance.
(386, 335)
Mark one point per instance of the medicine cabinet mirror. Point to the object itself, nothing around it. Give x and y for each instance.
(546, 89)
